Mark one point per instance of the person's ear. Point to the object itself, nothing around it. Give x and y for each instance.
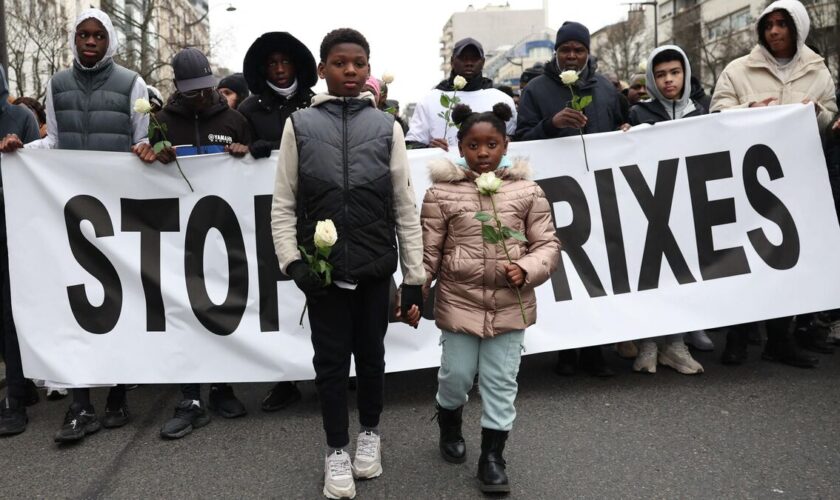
(460, 149)
(507, 142)
(321, 68)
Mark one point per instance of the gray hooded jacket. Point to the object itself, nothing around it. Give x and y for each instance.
(659, 108)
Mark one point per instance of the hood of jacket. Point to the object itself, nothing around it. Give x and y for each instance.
(253, 65)
(113, 41)
(678, 107)
(478, 82)
(4, 91)
(800, 17)
(177, 106)
(445, 170)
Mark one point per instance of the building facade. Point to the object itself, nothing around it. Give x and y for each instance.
(498, 27)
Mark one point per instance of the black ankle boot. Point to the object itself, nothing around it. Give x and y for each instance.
(781, 346)
(814, 335)
(453, 449)
(735, 351)
(492, 477)
(592, 361)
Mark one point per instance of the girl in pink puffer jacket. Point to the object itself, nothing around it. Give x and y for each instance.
(476, 305)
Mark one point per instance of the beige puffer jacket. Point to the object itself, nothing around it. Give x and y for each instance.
(472, 291)
(756, 76)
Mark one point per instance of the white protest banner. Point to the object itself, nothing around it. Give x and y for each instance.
(120, 274)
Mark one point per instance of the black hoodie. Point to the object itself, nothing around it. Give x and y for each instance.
(266, 110)
(202, 133)
(546, 95)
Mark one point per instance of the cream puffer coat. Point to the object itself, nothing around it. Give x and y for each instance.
(757, 76)
(473, 295)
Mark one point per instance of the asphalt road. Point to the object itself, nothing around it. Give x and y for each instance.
(761, 430)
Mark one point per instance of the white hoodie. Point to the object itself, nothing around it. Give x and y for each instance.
(139, 122)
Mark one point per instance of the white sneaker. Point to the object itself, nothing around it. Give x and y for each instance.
(338, 476)
(699, 340)
(676, 355)
(646, 359)
(368, 461)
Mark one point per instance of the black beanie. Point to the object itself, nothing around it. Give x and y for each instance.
(572, 31)
(235, 82)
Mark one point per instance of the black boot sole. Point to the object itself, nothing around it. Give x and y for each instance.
(790, 362)
(452, 459)
(493, 488)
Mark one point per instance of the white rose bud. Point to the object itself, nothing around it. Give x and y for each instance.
(569, 77)
(325, 234)
(387, 77)
(488, 183)
(459, 82)
(643, 67)
(142, 106)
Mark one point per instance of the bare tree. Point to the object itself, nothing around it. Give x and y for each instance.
(37, 42)
(727, 46)
(626, 45)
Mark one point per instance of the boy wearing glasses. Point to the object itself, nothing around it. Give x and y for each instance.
(197, 117)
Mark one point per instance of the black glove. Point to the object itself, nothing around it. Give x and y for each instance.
(411, 295)
(308, 282)
(262, 149)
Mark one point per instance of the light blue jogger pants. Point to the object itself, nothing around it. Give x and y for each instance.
(496, 360)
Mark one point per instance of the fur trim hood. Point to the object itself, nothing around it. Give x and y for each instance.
(445, 170)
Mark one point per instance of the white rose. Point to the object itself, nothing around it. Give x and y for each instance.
(643, 67)
(142, 106)
(459, 82)
(387, 77)
(488, 183)
(325, 234)
(569, 77)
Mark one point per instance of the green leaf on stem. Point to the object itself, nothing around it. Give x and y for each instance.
(159, 146)
(584, 101)
(511, 233)
(445, 101)
(483, 216)
(490, 234)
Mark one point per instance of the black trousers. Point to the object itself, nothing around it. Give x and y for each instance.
(349, 322)
(9, 348)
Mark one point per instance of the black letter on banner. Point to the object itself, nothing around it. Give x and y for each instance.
(95, 319)
(709, 213)
(268, 268)
(213, 212)
(659, 240)
(572, 237)
(150, 218)
(785, 255)
(612, 231)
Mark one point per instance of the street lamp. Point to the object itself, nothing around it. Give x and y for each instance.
(655, 19)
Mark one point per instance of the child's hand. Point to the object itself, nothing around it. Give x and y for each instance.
(237, 150)
(412, 318)
(515, 275)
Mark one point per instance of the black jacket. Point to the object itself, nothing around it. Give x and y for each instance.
(266, 110)
(546, 95)
(205, 132)
(699, 95)
(653, 111)
(14, 119)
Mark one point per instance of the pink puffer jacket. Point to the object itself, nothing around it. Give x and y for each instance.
(473, 295)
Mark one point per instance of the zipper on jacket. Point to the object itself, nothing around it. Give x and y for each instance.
(197, 136)
(346, 181)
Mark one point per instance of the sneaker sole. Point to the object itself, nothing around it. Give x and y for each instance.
(187, 430)
(666, 361)
(91, 428)
(374, 472)
(16, 430)
(350, 493)
(282, 406)
(223, 414)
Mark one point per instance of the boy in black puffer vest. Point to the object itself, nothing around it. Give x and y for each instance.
(344, 160)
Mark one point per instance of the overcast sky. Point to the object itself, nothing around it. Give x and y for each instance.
(403, 36)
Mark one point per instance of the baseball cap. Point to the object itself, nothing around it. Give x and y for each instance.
(463, 43)
(192, 70)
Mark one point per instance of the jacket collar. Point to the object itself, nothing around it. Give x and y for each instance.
(805, 61)
(320, 99)
(444, 170)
